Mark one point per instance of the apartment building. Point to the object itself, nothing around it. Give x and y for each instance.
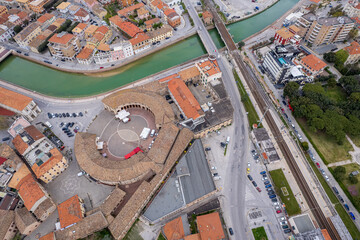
(6, 33)
(64, 46)
(207, 17)
(209, 71)
(172, 18)
(79, 30)
(86, 55)
(3, 10)
(114, 52)
(286, 36)
(25, 222)
(160, 34)
(63, 7)
(38, 5)
(82, 15)
(7, 223)
(46, 20)
(130, 10)
(142, 13)
(127, 28)
(45, 161)
(99, 11)
(150, 23)
(101, 35)
(354, 53)
(352, 9)
(19, 104)
(140, 42)
(28, 34)
(24, 4)
(312, 65)
(126, 3)
(324, 30)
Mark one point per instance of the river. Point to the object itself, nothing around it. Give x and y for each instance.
(51, 82)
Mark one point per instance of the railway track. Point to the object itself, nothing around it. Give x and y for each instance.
(263, 105)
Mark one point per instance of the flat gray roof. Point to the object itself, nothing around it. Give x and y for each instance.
(191, 180)
(303, 223)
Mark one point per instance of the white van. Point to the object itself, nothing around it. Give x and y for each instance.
(48, 124)
(152, 133)
(125, 120)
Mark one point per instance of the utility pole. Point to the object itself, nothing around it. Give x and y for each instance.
(262, 118)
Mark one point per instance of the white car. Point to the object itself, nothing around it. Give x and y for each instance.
(282, 219)
(264, 178)
(248, 164)
(276, 203)
(213, 168)
(283, 223)
(277, 207)
(327, 178)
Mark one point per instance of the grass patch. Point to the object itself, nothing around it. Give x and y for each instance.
(345, 183)
(192, 223)
(249, 107)
(291, 205)
(161, 237)
(336, 93)
(355, 140)
(101, 235)
(259, 233)
(347, 221)
(327, 148)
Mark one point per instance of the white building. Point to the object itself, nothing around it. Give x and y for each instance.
(6, 33)
(352, 10)
(209, 71)
(113, 53)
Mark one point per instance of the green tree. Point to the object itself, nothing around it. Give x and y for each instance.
(17, 29)
(330, 57)
(353, 33)
(305, 146)
(331, 83)
(241, 44)
(291, 90)
(339, 173)
(353, 179)
(317, 124)
(350, 84)
(341, 57)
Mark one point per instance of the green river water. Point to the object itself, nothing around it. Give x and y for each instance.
(60, 84)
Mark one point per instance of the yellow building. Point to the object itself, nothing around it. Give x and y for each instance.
(64, 46)
(100, 36)
(38, 5)
(89, 31)
(24, 4)
(160, 34)
(28, 34)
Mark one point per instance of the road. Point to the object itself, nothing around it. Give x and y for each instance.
(234, 189)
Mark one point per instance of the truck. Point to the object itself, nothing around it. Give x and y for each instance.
(152, 133)
(228, 140)
(125, 120)
(145, 133)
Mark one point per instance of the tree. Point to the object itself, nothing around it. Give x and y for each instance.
(42, 47)
(353, 33)
(339, 173)
(353, 179)
(331, 83)
(17, 29)
(341, 57)
(350, 84)
(330, 57)
(241, 44)
(317, 124)
(291, 90)
(305, 146)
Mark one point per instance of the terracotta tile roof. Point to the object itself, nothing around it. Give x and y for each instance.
(58, 22)
(81, 13)
(74, 8)
(104, 47)
(63, 5)
(19, 177)
(168, 78)
(22, 15)
(61, 39)
(14, 11)
(30, 192)
(189, 73)
(103, 29)
(45, 17)
(12, 159)
(313, 62)
(152, 21)
(6, 219)
(315, 1)
(209, 67)
(91, 29)
(98, 37)
(130, 9)
(142, 11)
(170, 13)
(325, 234)
(185, 98)
(210, 227)
(353, 49)
(13, 99)
(49, 236)
(70, 211)
(129, 28)
(174, 230)
(19, 144)
(80, 27)
(206, 14)
(34, 132)
(294, 29)
(140, 37)
(357, 6)
(85, 53)
(284, 33)
(55, 158)
(195, 236)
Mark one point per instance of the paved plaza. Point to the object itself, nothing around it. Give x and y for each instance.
(121, 138)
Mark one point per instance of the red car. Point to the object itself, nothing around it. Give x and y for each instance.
(259, 190)
(278, 211)
(318, 165)
(62, 148)
(282, 110)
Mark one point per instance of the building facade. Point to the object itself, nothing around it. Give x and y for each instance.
(209, 71)
(354, 53)
(28, 34)
(64, 46)
(140, 42)
(352, 9)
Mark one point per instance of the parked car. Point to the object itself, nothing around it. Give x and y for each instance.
(317, 164)
(287, 230)
(272, 196)
(6, 139)
(267, 182)
(340, 198)
(335, 190)
(259, 190)
(274, 200)
(282, 219)
(268, 186)
(285, 227)
(269, 189)
(207, 149)
(263, 172)
(346, 207)
(352, 215)
(250, 177)
(248, 170)
(231, 231)
(254, 183)
(271, 192)
(278, 211)
(264, 178)
(283, 223)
